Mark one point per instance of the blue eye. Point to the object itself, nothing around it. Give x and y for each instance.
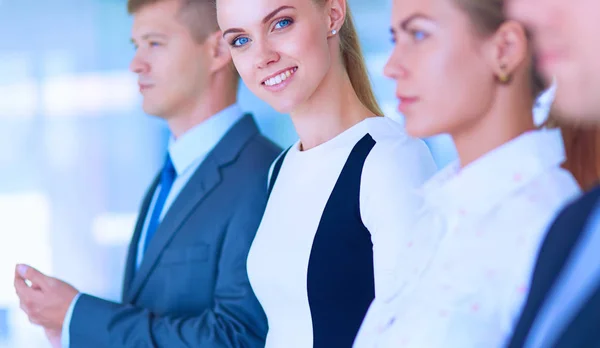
(240, 41)
(154, 44)
(283, 23)
(418, 35)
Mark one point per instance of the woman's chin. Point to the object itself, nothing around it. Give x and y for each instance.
(282, 107)
(418, 129)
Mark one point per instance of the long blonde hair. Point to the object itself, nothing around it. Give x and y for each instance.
(354, 63)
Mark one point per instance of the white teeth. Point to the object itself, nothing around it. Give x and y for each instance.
(280, 78)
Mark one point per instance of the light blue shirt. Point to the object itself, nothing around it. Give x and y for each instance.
(187, 153)
(576, 282)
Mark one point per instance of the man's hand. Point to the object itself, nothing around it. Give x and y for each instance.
(46, 301)
(54, 337)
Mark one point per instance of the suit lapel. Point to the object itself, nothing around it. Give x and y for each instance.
(556, 249)
(583, 329)
(130, 264)
(206, 178)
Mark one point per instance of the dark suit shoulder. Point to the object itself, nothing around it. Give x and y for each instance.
(556, 249)
(264, 144)
(259, 153)
(572, 220)
(580, 208)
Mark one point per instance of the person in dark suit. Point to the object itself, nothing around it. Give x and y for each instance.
(185, 282)
(563, 306)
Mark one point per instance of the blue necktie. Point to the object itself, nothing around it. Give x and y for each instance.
(167, 177)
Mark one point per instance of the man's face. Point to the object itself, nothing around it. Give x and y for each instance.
(567, 38)
(173, 68)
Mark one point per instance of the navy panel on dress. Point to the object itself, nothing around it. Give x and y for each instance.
(340, 282)
(276, 169)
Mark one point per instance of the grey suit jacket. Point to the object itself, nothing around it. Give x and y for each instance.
(192, 288)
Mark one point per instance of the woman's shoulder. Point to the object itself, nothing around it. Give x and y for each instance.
(548, 192)
(393, 144)
(396, 158)
(389, 133)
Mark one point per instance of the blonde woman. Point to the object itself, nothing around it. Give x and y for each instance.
(341, 196)
(462, 68)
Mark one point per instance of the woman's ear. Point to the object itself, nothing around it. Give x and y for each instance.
(508, 49)
(336, 13)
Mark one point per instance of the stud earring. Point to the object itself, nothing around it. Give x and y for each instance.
(333, 32)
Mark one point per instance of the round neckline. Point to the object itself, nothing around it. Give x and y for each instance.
(359, 129)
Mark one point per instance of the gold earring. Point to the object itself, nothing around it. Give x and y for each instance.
(503, 77)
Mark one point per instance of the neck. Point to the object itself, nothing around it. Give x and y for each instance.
(333, 108)
(215, 98)
(505, 121)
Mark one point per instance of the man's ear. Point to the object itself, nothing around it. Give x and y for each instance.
(218, 50)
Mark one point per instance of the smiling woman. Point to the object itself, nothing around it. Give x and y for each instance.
(281, 20)
(342, 195)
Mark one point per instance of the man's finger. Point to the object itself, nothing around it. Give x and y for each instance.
(25, 309)
(23, 290)
(28, 297)
(36, 277)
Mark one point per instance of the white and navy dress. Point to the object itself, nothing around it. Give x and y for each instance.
(329, 239)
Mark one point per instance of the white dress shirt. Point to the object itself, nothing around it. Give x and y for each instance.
(187, 153)
(468, 261)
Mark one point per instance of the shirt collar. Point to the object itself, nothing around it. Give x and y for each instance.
(482, 184)
(197, 142)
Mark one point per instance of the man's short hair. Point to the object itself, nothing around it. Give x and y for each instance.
(199, 15)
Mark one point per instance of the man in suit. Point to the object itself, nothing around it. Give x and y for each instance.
(563, 305)
(185, 281)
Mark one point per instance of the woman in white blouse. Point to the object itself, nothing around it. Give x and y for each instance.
(462, 68)
(341, 195)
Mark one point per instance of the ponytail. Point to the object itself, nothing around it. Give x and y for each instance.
(355, 65)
